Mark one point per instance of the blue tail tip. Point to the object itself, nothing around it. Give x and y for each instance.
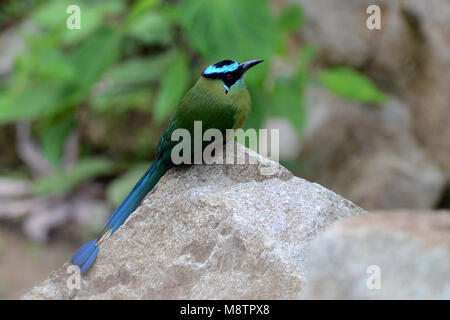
(85, 256)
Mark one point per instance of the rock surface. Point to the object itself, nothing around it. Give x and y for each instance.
(410, 248)
(409, 58)
(211, 232)
(368, 154)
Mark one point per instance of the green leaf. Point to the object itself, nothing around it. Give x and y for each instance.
(43, 63)
(229, 29)
(288, 103)
(261, 102)
(138, 70)
(52, 15)
(40, 94)
(40, 85)
(352, 85)
(120, 187)
(93, 58)
(305, 56)
(54, 136)
(120, 102)
(173, 87)
(126, 86)
(140, 7)
(64, 181)
(291, 18)
(38, 101)
(151, 28)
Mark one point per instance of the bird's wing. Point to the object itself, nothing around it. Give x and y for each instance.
(196, 107)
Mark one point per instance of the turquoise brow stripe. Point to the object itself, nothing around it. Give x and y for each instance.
(224, 69)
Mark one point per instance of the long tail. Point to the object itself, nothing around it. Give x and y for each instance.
(85, 256)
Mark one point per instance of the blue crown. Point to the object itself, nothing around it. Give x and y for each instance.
(223, 66)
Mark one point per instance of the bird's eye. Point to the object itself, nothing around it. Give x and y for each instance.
(229, 76)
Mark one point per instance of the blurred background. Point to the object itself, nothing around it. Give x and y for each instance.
(363, 112)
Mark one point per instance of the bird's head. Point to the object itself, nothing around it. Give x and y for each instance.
(228, 71)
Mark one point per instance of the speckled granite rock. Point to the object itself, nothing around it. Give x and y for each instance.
(410, 249)
(408, 57)
(211, 232)
(368, 154)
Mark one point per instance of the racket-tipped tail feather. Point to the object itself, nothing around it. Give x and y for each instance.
(85, 256)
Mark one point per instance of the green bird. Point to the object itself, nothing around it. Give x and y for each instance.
(220, 100)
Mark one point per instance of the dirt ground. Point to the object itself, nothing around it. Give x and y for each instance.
(24, 264)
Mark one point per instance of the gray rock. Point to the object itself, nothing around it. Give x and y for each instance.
(408, 252)
(408, 57)
(368, 153)
(290, 143)
(211, 232)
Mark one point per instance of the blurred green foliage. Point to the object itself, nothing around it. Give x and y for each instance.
(64, 181)
(350, 84)
(135, 60)
(119, 188)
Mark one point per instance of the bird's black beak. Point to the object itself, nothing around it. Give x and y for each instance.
(247, 65)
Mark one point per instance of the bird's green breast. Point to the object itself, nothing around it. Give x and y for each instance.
(212, 99)
(209, 103)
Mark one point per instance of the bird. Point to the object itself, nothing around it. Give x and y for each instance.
(220, 100)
